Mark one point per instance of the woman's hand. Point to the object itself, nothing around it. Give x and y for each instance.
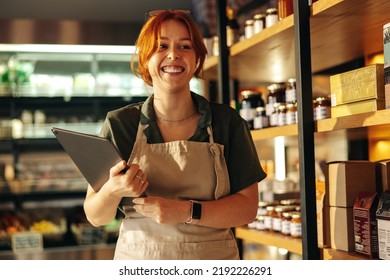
(163, 210)
(131, 183)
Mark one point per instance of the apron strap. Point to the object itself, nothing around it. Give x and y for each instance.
(222, 185)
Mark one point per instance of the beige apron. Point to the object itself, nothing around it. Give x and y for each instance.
(178, 170)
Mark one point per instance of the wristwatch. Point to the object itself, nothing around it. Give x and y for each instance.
(196, 212)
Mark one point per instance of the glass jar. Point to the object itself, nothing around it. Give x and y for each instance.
(271, 17)
(290, 202)
(249, 28)
(285, 8)
(321, 108)
(274, 117)
(292, 113)
(260, 225)
(269, 216)
(282, 110)
(286, 221)
(276, 93)
(261, 120)
(296, 224)
(250, 102)
(259, 23)
(291, 91)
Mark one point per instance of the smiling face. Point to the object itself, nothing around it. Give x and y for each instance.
(174, 63)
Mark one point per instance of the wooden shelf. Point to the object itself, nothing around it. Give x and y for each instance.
(377, 123)
(341, 31)
(291, 244)
(270, 238)
(332, 254)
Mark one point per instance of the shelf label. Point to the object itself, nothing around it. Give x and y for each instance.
(92, 235)
(27, 241)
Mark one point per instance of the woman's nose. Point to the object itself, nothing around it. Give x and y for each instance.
(173, 54)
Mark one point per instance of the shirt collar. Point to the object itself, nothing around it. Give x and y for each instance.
(148, 116)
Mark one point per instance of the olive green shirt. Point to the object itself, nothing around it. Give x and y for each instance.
(229, 129)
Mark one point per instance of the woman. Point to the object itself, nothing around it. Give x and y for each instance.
(194, 160)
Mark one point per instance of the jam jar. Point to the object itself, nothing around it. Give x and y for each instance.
(291, 113)
(286, 221)
(296, 224)
(251, 100)
(269, 216)
(321, 108)
(291, 91)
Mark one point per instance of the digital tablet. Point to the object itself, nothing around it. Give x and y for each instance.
(93, 155)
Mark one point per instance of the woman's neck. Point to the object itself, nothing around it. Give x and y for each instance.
(174, 107)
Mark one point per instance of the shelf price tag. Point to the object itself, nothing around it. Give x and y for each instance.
(92, 235)
(27, 241)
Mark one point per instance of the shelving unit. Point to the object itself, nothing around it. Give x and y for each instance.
(340, 31)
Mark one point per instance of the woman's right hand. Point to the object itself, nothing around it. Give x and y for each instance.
(131, 183)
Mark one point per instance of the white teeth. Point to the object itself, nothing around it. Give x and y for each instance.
(172, 69)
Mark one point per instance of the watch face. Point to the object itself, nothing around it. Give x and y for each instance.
(196, 210)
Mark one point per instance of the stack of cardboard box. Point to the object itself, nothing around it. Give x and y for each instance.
(345, 180)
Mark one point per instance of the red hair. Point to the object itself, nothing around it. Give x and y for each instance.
(149, 37)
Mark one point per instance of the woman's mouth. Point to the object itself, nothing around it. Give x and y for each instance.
(172, 69)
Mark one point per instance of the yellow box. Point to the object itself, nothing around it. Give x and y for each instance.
(346, 179)
(370, 105)
(356, 85)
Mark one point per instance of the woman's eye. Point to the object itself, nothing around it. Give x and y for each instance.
(186, 47)
(163, 46)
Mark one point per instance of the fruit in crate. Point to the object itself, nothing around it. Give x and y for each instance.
(45, 226)
(11, 223)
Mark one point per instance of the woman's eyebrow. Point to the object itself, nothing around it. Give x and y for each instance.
(181, 39)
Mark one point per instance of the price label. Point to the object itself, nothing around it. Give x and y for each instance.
(30, 241)
(92, 235)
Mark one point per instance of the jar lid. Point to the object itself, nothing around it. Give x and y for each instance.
(247, 93)
(292, 80)
(271, 11)
(249, 22)
(290, 202)
(259, 16)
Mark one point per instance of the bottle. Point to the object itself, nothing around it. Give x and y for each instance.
(232, 28)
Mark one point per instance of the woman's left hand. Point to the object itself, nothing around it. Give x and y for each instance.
(163, 210)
